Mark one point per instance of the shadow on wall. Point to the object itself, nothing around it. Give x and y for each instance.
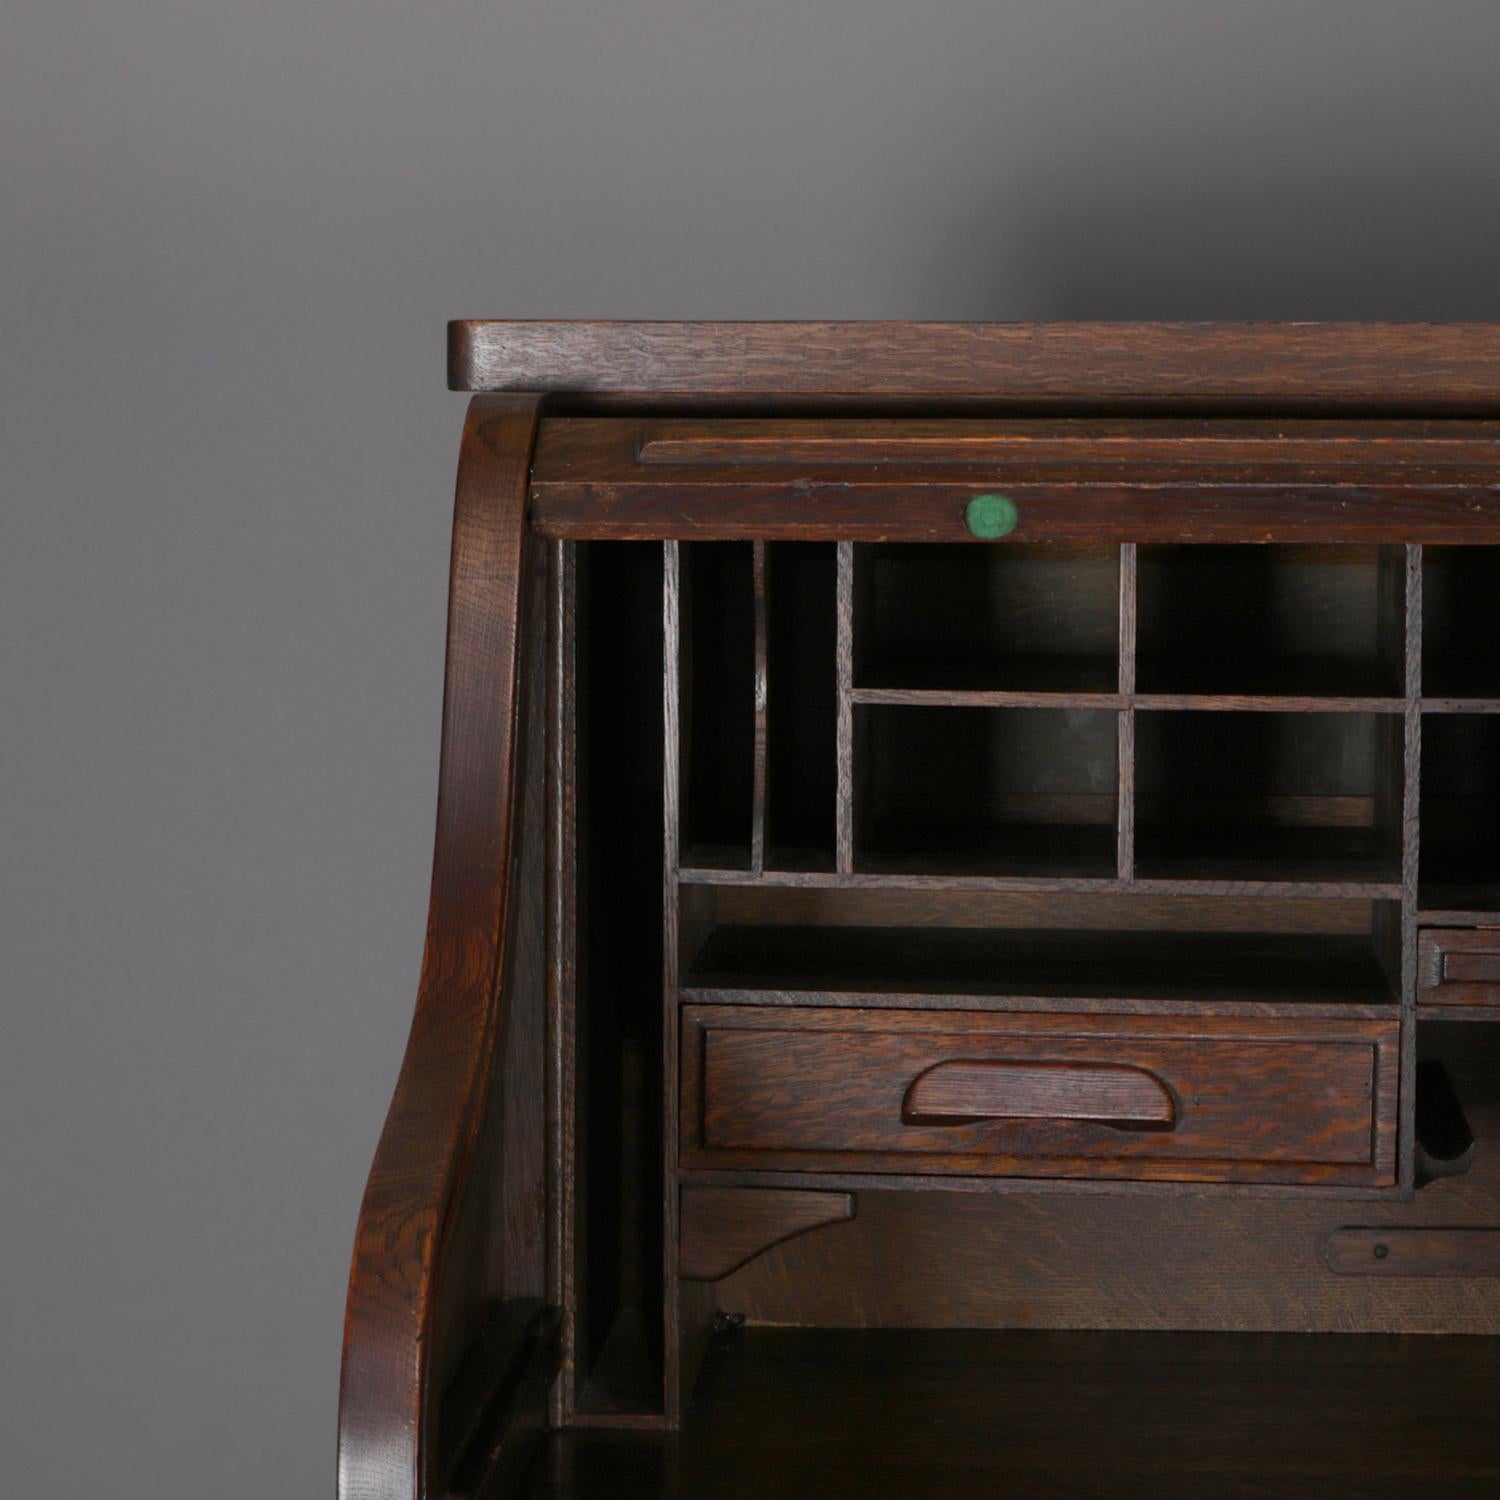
(1237, 240)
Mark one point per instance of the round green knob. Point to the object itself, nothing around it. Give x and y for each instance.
(990, 516)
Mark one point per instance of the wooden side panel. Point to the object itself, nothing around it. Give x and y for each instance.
(431, 1258)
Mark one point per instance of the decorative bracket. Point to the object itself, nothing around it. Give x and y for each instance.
(723, 1228)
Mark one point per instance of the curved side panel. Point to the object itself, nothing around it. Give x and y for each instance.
(427, 1150)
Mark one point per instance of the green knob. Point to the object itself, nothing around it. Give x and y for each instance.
(990, 516)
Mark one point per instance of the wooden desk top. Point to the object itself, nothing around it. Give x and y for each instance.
(1448, 368)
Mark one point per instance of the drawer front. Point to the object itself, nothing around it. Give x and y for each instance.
(1459, 966)
(986, 1094)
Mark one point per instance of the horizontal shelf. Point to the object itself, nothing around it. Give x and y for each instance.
(865, 880)
(949, 697)
(1269, 703)
(1335, 969)
(1433, 705)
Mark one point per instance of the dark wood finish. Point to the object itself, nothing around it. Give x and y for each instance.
(960, 1093)
(1459, 968)
(844, 604)
(1360, 365)
(568, 1268)
(1070, 440)
(724, 1228)
(429, 1255)
(1052, 1416)
(494, 1412)
(680, 1335)
(1176, 1258)
(1098, 901)
(758, 813)
(761, 903)
(918, 880)
(805, 1089)
(1414, 1252)
(1066, 511)
(591, 481)
(1125, 753)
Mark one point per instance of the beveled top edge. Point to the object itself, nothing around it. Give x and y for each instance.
(1454, 364)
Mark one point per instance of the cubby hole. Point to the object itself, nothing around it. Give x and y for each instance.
(1458, 1102)
(1008, 617)
(993, 791)
(1271, 620)
(1460, 808)
(1273, 797)
(1019, 949)
(616, 953)
(1460, 621)
(802, 705)
(717, 705)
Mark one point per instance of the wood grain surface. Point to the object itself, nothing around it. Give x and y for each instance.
(422, 1249)
(940, 1415)
(1146, 482)
(1360, 364)
(723, 1228)
(804, 1088)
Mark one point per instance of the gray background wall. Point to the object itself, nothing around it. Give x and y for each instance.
(231, 236)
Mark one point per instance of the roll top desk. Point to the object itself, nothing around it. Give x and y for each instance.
(965, 924)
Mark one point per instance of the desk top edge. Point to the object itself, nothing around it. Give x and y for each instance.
(1349, 363)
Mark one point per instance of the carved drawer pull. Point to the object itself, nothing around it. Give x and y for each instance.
(963, 1092)
(1471, 968)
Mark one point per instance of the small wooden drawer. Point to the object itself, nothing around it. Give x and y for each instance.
(1459, 967)
(966, 1093)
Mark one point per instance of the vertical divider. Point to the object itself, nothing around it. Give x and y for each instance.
(563, 1279)
(1125, 810)
(1411, 768)
(760, 582)
(844, 738)
(671, 859)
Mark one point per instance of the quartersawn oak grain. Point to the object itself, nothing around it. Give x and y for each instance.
(1112, 435)
(806, 1089)
(1344, 363)
(723, 1228)
(1143, 481)
(423, 1168)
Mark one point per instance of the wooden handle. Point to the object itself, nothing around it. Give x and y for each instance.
(1472, 967)
(961, 1092)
